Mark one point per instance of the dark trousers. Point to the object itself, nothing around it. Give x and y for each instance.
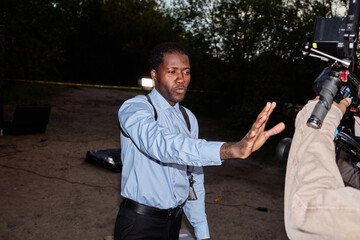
(131, 225)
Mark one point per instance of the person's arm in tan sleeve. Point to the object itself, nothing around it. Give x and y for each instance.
(317, 204)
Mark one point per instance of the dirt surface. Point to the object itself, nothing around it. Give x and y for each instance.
(49, 191)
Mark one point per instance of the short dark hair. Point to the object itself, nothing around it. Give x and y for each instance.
(157, 53)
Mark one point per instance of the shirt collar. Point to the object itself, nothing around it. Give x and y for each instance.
(159, 101)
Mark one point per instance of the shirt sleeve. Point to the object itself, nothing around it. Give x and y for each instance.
(195, 209)
(317, 203)
(137, 121)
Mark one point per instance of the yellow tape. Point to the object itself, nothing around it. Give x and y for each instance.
(81, 84)
(94, 85)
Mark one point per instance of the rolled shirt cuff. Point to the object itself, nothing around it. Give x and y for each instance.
(202, 231)
(210, 153)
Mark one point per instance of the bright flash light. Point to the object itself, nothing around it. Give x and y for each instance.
(147, 83)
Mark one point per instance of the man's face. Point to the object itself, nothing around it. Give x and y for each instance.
(172, 77)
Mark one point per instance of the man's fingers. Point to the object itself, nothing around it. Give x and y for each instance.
(272, 107)
(264, 115)
(275, 130)
(262, 119)
(267, 110)
(258, 124)
(344, 104)
(264, 111)
(256, 137)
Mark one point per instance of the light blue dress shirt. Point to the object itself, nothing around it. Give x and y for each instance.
(156, 155)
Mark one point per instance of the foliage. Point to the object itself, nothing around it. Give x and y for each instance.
(113, 40)
(242, 51)
(251, 46)
(83, 40)
(33, 38)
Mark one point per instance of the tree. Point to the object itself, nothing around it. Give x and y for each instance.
(113, 39)
(99, 41)
(252, 44)
(33, 38)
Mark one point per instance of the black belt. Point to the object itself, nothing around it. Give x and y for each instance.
(151, 211)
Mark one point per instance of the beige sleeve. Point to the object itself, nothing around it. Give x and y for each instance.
(317, 204)
(357, 126)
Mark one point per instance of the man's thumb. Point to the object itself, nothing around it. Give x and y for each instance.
(346, 102)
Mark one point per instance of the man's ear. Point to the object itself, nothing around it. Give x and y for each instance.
(153, 75)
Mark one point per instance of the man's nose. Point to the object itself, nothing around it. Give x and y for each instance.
(180, 77)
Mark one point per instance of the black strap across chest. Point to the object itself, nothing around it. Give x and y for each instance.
(182, 109)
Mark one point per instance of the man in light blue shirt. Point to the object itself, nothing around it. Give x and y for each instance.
(162, 157)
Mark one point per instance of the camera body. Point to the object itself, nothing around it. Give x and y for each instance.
(332, 35)
(338, 36)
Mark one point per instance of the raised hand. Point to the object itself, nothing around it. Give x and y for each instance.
(255, 138)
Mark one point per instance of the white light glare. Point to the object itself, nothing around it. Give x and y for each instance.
(147, 83)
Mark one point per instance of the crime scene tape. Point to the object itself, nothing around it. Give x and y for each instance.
(80, 84)
(95, 85)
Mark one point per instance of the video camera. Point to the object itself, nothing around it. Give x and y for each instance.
(335, 41)
(339, 38)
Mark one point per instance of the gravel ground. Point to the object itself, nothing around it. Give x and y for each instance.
(49, 191)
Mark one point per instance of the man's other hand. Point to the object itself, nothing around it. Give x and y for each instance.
(343, 104)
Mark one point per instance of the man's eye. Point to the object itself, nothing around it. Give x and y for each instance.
(187, 72)
(172, 72)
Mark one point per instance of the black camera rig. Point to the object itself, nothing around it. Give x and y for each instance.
(335, 41)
